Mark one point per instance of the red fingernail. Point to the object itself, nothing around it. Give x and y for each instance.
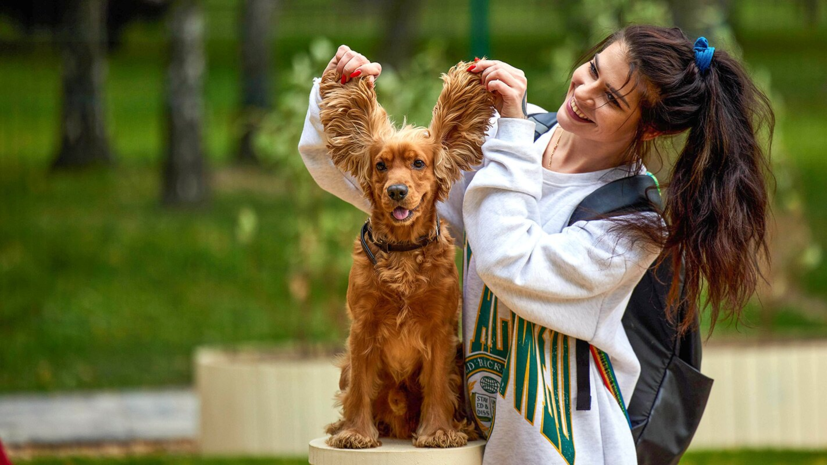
(343, 78)
(356, 73)
(476, 60)
(471, 68)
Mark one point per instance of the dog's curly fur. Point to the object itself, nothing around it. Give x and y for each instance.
(401, 373)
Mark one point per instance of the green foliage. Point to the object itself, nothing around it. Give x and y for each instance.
(413, 93)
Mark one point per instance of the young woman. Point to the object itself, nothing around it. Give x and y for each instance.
(532, 285)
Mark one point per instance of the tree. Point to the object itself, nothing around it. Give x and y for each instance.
(185, 179)
(82, 39)
(255, 63)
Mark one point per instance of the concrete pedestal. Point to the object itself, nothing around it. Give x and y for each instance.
(395, 452)
(263, 401)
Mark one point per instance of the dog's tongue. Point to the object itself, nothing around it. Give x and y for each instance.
(400, 213)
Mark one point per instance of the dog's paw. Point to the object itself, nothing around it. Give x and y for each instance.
(334, 427)
(441, 438)
(352, 439)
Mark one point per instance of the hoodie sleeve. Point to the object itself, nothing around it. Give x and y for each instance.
(314, 153)
(562, 281)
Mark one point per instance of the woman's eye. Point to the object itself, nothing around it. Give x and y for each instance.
(612, 99)
(419, 164)
(592, 69)
(381, 166)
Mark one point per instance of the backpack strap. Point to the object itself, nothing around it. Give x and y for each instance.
(584, 396)
(542, 123)
(620, 197)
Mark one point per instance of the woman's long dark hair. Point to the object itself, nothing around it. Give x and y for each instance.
(716, 201)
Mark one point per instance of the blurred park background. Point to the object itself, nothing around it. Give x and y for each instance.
(152, 199)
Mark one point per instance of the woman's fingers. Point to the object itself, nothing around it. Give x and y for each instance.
(503, 72)
(508, 83)
(502, 76)
(360, 66)
(340, 52)
(506, 91)
(350, 58)
(351, 64)
(369, 69)
(485, 67)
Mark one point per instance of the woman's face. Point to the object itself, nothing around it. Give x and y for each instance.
(602, 103)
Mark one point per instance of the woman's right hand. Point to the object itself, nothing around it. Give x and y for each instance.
(351, 64)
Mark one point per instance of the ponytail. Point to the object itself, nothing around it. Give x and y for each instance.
(717, 199)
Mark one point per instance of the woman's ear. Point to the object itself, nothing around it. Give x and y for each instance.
(460, 120)
(354, 123)
(651, 134)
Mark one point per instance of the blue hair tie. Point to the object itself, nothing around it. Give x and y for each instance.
(703, 54)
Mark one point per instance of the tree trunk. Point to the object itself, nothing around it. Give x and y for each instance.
(82, 42)
(256, 26)
(400, 18)
(185, 179)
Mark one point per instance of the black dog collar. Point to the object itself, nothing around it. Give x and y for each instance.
(393, 247)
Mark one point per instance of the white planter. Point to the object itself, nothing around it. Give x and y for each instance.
(767, 394)
(396, 452)
(264, 401)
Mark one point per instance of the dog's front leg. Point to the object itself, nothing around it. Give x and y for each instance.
(357, 430)
(439, 400)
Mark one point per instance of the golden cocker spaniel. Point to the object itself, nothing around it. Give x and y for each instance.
(401, 373)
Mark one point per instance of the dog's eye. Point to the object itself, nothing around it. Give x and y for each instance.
(381, 166)
(419, 164)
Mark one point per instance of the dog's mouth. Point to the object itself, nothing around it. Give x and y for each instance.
(402, 215)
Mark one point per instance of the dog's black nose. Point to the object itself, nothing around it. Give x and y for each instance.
(398, 191)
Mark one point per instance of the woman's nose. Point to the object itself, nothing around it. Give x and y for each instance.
(586, 94)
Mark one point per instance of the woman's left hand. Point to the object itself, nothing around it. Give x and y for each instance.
(507, 83)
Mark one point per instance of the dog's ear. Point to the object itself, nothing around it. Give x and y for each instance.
(354, 123)
(461, 117)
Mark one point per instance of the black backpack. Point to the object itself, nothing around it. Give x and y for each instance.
(671, 393)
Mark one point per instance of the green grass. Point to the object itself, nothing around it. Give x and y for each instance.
(756, 457)
(103, 288)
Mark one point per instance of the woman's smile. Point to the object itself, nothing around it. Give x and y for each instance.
(576, 113)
